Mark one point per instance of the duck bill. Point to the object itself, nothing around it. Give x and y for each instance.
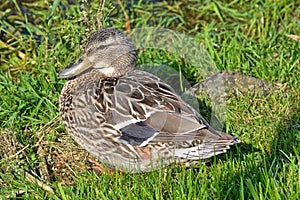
(74, 69)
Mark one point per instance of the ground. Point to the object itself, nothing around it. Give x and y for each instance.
(257, 40)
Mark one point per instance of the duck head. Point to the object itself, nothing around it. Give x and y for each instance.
(108, 50)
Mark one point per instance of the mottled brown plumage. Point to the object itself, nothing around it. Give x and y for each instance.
(130, 119)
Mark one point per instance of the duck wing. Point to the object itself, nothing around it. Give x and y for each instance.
(147, 111)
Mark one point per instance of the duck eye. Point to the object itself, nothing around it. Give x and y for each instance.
(102, 47)
(79, 60)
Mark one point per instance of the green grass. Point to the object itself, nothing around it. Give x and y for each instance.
(243, 36)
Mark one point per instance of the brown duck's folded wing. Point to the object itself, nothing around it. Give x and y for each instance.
(143, 107)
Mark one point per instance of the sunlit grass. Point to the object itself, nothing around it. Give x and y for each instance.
(39, 39)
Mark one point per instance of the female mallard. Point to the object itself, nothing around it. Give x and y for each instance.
(130, 119)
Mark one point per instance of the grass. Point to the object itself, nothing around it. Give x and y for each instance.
(251, 37)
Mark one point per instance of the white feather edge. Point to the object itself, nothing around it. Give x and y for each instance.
(131, 121)
(196, 152)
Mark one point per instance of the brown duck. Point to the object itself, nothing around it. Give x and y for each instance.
(130, 119)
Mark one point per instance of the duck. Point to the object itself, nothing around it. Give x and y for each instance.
(128, 119)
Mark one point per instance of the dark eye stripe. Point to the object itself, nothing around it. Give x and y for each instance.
(97, 48)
